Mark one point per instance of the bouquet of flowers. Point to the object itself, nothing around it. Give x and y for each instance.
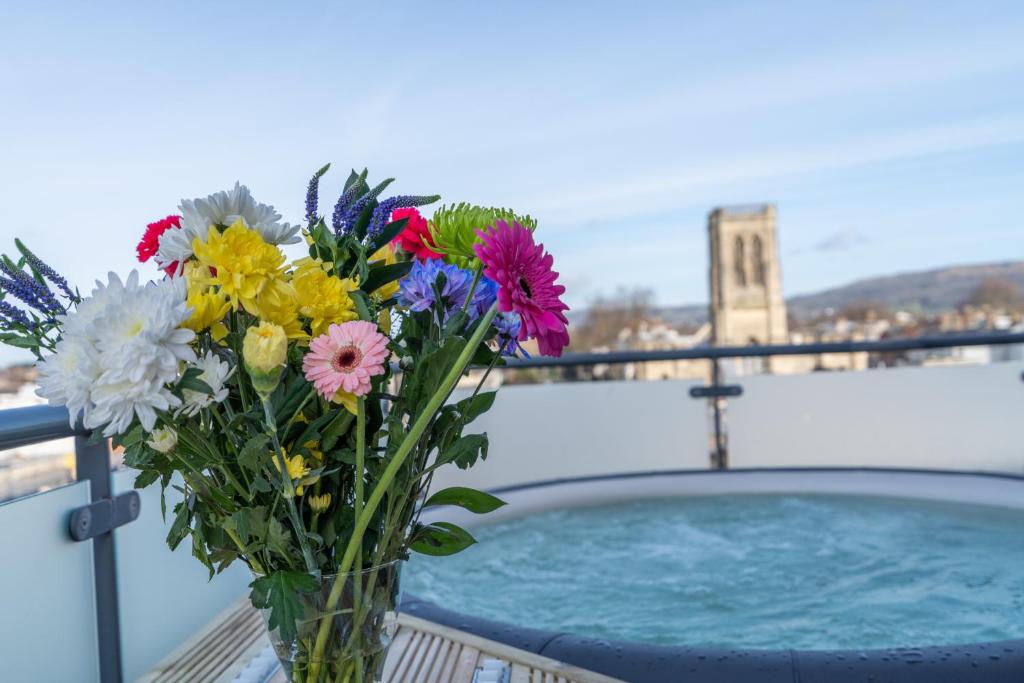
(299, 408)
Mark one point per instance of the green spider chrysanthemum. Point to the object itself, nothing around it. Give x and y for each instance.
(453, 230)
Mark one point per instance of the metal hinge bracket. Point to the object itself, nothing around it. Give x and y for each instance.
(104, 515)
(720, 391)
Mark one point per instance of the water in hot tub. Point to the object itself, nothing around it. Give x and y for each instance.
(807, 572)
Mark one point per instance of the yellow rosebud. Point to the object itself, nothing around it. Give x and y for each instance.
(265, 350)
(319, 503)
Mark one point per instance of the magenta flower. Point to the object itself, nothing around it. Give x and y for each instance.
(526, 284)
(345, 358)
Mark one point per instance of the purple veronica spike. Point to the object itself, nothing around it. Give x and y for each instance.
(313, 196)
(22, 286)
(351, 214)
(382, 213)
(12, 315)
(47, 272)
(337, 220)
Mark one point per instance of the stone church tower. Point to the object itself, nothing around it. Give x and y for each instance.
(746, 283)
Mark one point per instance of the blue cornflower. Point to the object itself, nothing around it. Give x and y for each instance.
(508, 326)
(483, 298)
(416, 290)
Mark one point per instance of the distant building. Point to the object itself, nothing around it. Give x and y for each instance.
(657, 336)
(746, 281)
(747, 306)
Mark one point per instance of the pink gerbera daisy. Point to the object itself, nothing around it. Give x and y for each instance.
(345, 358)
(526, 284)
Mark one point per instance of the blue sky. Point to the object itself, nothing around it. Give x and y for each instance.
(889, 134)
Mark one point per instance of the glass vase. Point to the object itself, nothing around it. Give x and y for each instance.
(359, 627)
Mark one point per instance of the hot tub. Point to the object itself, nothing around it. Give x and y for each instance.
(748, 575)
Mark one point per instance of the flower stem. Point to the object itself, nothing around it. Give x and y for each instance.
(358, 510)
(404, 449)
(472, 287)
(289, 489)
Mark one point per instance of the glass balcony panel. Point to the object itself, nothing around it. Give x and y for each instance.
(959, 417)
(550, 431)
(47, 591)
(165, 597)
(36, 467)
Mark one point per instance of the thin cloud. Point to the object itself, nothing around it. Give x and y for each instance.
(842, 239)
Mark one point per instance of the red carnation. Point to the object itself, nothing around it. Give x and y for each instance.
(415, 239)
(150, 241)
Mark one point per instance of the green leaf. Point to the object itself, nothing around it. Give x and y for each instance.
(382, 275)
(254, 452)
(472, 407)
(199, 548)
(430, 371)
(440, 539)
(190, 380)
(362, 305)
(390, 232)
(239, 523)
(477, 502)
(180, 526)
(456, 324)
(465, 451)
(312, 431)
(281, 592)
(336, 429)
(22, 342)
(278, 538)
(146, 478)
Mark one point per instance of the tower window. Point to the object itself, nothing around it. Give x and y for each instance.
(739, 263)
(759, 263)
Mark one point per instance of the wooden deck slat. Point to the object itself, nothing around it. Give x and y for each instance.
(398, 644)
(407, 656)
(466, 664)
(421, 652)
(428, 659)
(447, 671)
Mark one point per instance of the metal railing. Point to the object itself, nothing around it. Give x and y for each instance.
(25, 426)
(95, 522)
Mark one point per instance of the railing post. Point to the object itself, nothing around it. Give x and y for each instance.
(720, 454)
(92, 464)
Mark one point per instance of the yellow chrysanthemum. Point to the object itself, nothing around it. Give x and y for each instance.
(319, 503)
(322, 297)
(283, 311)
(298, 472)
(246, 267)
(208, 305)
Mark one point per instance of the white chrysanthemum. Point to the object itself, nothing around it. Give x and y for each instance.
(118, 352)
(67, 377)
(222, 208)
(115, 404)
(163, 440)
(139, 334)
(215, 373)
